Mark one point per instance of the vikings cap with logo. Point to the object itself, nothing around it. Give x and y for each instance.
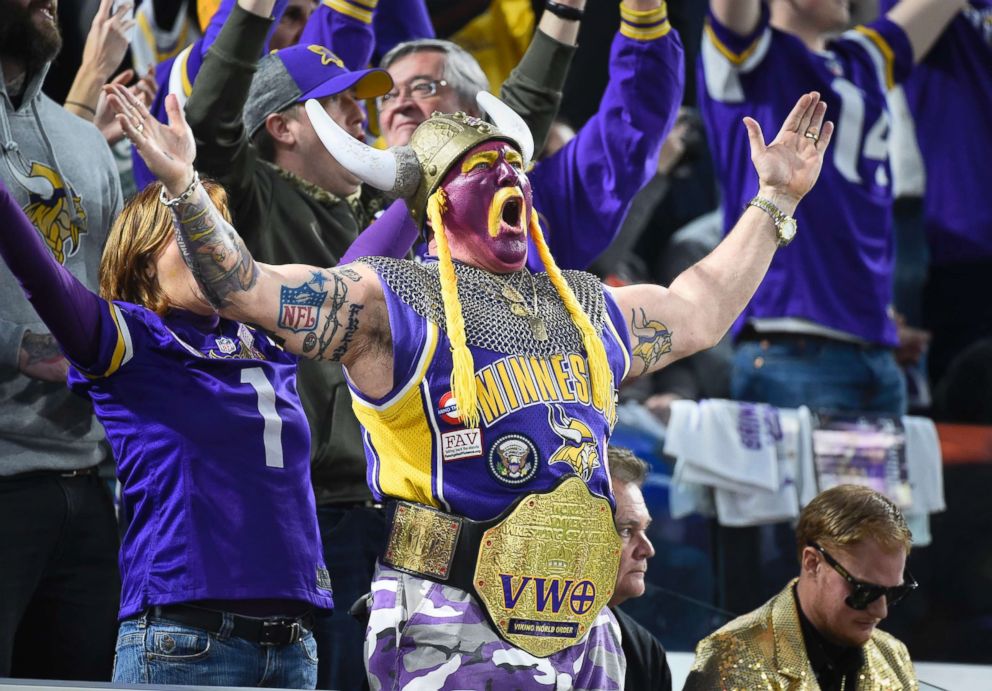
(295, 74)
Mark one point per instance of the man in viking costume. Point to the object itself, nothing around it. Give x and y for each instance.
(487, 393)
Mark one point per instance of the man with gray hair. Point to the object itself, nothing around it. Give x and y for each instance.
(583, 191)
(647, 665)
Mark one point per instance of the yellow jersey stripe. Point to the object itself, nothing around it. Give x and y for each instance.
(645, 34)
(885, 49)
(735, 58)
(350, 10)
(123, 348)
(643, 16)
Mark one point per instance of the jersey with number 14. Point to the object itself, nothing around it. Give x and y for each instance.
(213, 456)
(838, 271)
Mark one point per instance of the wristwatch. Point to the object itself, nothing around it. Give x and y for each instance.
(785, 226)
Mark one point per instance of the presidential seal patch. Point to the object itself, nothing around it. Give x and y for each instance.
(513, 459)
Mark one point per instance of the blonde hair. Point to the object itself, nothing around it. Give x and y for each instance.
(463, 387)
(140, 233)
(849, 514)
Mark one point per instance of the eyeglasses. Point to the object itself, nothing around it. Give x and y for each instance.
(419, 90)
(866, 593)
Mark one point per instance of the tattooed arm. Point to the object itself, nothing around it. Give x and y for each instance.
(323, 314)
(702, 303)
(41, 358)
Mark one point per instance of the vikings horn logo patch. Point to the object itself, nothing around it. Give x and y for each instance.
(580, 449)
(513, 459)
(48, 209)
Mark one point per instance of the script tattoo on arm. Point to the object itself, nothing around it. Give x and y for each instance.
(653, 339)
(212, 249)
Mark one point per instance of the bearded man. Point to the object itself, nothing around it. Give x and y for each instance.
(486, 579)
(59, 583)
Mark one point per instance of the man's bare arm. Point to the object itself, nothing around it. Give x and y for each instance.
(702, 303)
(924, 21)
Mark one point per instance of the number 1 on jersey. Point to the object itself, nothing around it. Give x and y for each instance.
(272, 433)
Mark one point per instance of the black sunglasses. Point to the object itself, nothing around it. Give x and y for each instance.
(866, 593)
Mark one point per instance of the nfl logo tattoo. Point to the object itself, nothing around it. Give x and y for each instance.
(299, 308)
(225, 345)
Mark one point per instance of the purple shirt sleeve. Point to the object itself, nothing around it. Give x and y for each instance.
(71, 312)
(349, 37)
(583, 191)
(398, 21)
(390, 235)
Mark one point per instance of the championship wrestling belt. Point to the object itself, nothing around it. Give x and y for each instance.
(543, 570)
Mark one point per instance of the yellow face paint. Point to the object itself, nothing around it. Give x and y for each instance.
(503, 195)
(514, 159)
(488, 158)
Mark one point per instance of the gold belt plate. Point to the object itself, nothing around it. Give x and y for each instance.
(422, 540)
(549, 568)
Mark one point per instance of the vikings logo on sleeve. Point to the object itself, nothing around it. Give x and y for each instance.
(580, 450)
(48, 209)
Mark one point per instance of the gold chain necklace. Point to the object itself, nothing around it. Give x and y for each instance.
(518, 303)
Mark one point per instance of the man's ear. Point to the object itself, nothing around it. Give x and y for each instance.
(810, 561)
(279, 128)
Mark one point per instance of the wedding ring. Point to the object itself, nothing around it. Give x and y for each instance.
(810, 134)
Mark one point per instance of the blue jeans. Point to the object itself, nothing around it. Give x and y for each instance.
(352, 539)
(819, 374)
(158, 651)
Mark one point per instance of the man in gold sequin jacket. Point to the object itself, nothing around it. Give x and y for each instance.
(820, 632)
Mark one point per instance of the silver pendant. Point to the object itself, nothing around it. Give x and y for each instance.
(539, 328)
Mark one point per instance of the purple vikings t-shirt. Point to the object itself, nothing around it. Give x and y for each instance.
(838, 270)
(213, 456)
(950, 96)
(537, 420)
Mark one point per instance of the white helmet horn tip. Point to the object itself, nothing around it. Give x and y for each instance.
(509, 123)
(371, 165)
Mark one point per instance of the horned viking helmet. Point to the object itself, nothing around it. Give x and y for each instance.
(415, 171)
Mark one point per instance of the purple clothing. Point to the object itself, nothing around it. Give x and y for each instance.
(212, 515)
(838, 271)
(418, 450)
(394, 230)
(207, 510)
(433, 637)
(582, 192)
(950, 96)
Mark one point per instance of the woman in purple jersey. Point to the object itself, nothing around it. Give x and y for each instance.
(221, 562)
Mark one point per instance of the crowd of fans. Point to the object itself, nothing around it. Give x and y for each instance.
(641, 166)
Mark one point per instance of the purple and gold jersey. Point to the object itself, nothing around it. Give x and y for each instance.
(838, 271)
(213, 454)
(537, 420)
(950, 96)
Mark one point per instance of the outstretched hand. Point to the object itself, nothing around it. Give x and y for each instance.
(168, 150)
(791, 163)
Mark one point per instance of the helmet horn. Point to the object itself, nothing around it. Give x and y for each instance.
(509, 123)
(381, 169)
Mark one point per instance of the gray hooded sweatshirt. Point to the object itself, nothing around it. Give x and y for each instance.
(61, 171)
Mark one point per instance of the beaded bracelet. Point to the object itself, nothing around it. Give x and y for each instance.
(187, 193)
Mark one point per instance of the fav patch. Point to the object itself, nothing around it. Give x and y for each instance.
(462, 443)
(447, 409)
(513, 459)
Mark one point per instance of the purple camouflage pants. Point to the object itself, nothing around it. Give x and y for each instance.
(425, 636)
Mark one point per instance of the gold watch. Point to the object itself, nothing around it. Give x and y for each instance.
(785, 225)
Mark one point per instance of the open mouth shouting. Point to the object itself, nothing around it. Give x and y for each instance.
(506, 213)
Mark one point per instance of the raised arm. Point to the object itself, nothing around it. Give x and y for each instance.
(740, 16)
(322, 314)
(70, 311)
(924, 21)
(694, 313)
